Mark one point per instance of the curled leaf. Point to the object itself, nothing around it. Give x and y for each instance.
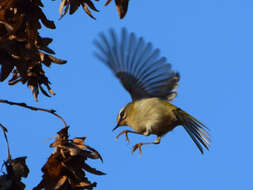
(121, 6)
(86, 9)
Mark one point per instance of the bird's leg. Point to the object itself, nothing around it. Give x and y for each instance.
(157, 141)
(126, 132)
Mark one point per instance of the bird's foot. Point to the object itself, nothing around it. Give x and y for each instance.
(137, 146)
(121, 133)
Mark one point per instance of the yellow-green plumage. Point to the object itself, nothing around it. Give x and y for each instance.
(157, 116)
(154, 113)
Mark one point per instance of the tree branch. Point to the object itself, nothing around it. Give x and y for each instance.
(6, 139)
(35, 109)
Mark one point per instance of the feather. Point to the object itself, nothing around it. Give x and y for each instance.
(195, 129)
(138, 66)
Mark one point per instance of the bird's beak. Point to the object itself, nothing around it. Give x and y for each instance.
(115, 127)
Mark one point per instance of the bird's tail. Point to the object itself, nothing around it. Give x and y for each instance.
(196, 129)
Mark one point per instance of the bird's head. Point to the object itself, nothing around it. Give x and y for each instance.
(122, 118)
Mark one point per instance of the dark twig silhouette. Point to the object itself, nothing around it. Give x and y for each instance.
(6, 139)
(52, 111)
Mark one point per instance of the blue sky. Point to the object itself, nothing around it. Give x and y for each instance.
(209, 42)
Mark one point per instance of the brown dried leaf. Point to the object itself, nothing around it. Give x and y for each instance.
(91, 5)
(45, 21)
(94, 154)
(45, 41)
(19, 167)
(44, 91)
(35, 90)
(56, 60)
(63, 133)
(87, 168)
(62, 4)
(74, 5)
(61, 182)
(15, 78)
(84, 184)
(50, 90)
(47, 49)
(46, 61)
(67, 4)
(121, 6)
(7, 66)
(80, 142)
(88, 11)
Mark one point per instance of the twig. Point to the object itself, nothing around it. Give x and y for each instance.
(8, 147)
(35, 109)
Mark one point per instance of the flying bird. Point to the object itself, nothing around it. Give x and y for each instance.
(152, 84)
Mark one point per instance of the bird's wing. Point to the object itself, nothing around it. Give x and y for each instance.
(140, 68)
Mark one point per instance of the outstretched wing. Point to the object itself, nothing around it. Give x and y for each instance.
(139, 67)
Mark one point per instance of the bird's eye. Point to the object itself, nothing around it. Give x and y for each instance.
(122, 115)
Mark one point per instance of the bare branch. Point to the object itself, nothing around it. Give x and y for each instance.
(35, 109)
(6, 139)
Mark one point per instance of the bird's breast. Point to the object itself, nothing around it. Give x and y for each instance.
(154, 114)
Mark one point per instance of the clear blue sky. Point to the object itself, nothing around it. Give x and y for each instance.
(209, 42)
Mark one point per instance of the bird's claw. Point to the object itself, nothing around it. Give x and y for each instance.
(137, 146)
(123, 132)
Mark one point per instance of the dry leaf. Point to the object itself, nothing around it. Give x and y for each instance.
(16, 169)
(121, 6)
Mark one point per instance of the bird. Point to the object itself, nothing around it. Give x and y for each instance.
(152, 84)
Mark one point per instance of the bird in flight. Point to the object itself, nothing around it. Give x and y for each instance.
(152, 85)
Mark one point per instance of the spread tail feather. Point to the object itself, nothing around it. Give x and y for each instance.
(196, 130)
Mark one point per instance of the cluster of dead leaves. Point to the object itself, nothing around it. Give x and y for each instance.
(73, 5)
(16, 169)
(22, 50)
(65, 168)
